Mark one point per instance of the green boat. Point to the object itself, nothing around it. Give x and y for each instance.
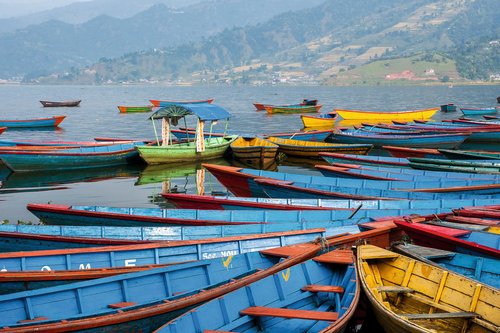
(199, 150)
(130, 109)
(470, 154)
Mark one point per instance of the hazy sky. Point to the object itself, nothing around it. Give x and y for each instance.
(9, 8)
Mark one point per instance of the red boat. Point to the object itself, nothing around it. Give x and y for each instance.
(397, 151)
(262, 106)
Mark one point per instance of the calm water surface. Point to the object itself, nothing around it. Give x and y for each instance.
(139, 186)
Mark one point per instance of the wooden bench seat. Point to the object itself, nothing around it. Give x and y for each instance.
(441, 315)
(316, 288)
(395, 289)
(289, 313)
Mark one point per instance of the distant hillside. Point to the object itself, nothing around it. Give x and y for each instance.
(337, 42)
(57, 46)
(80, 12)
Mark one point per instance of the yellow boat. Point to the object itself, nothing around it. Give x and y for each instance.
(408, 295)
(322, 121)
(254, 152)
(382, 115)
(304, 148)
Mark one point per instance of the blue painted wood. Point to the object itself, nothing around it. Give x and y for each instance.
(75, 158)
(37, 122)
(478, 111)
(157, 253)
(421, 140)
(363, 172)
(116, 216)
(366, 160)
(391, 172)
(486, 270)
(148, 289)
(376, 189)
(282, 290)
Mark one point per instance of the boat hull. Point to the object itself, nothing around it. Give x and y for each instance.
(130, 109)
(377, 116)
(40, 122)
(53, 104)
(184, 152)
(254, 152)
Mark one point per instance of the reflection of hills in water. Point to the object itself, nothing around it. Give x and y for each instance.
(52, 178)
(162, 172)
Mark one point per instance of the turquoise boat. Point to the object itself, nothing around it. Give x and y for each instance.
(74, 158)
(199, 150)
(478, 111)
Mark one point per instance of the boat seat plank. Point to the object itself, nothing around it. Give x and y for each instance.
(336, 257)
(315, 288)
(290, 313)
(427, 252)
(121, 305)
(373, 252)
(286, 251)
(441, 315)
(395, 289)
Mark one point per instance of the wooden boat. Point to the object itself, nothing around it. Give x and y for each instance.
(130, 109)
(193, 201)
(450, 107)
(260, 183)
(2, 129)
(52, 104)
(394, 162)
(254, 152)
(38, 122)
(449, 140)
(303, 148)
(469, 242)
(200, 149)
(74, 144)
(262, 106)
(366, 172)
(272, 109)
(74, 158)
(148, 299)
(408, 295)
(323, 120)
(397, 151)
(468, 111)
(311, 301)
(469, 154)
(381, 115)
(472, 166)
(162, 103)
(484, 270)
(53, 214)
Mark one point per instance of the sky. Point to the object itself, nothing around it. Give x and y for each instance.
(11, 8)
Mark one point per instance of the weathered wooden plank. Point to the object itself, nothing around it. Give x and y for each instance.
(121, 305)
(395, 289)
(441, 315)
(336, 257)
(290, 313)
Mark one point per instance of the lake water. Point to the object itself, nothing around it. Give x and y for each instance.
(140, 186)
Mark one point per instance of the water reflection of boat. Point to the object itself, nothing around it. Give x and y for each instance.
(164, 172)
(49, 178)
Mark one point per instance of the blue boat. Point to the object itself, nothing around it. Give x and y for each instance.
(469, 111)
(135, 302)
(75, 158)
(320, 295)
(54, 214)
(145, 300)
(360, 172)
(451, 140)
(193, 201)
(484, 270)
(27, 123)
(396, 162)
(392, 172)
(258, 183)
